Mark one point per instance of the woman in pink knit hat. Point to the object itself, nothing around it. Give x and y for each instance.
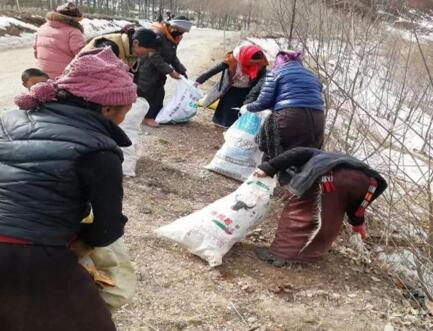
(60, 155)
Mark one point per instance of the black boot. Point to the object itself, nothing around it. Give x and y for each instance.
(265, 255)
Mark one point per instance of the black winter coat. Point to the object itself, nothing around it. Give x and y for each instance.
(301, 167)
(224, 68)
(42, 197)
(153, 70)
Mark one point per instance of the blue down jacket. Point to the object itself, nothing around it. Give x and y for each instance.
(291, 86)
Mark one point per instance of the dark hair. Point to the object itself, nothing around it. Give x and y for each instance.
(32, 72)
(146, 38)
(258, 56)
(67, 98)
(103, 42)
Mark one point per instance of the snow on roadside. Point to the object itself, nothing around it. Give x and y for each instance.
(6, 21)
(92, 28)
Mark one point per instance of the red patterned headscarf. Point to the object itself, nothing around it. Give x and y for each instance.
(244, 56)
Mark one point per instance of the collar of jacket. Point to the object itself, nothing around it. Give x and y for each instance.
(53, 16)
(322, 162)
(231, 61)
(163, 28)
(87, 117)
(122, 41)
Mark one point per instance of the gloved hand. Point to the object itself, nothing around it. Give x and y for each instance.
(360, 229)
(243, 109)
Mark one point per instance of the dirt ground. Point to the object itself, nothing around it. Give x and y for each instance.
(178, 291)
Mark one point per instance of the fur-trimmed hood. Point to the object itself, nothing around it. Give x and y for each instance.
(56, 17)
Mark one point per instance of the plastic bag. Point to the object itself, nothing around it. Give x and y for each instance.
(212, 231)
(131, 126)
(218, 89)
(212, 106)
(183, 105)
(114, 262)
(240, 154)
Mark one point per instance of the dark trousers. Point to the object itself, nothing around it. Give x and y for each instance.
(45, 289)
(225, 115)
(300, 127)
(155, 97)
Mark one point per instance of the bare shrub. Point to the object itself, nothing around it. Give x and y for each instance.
(379, 108)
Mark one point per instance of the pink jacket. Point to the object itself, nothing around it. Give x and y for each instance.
(57, 42)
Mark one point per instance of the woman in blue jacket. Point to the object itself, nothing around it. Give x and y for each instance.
(294, 93)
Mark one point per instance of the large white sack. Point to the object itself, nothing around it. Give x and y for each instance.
(131, 126)
(212, 231)
(183, 105)
(239, 155)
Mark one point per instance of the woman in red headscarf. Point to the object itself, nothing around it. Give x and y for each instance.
(241, 70)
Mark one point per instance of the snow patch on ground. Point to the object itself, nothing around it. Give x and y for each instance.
(6, 21)
(92, 28)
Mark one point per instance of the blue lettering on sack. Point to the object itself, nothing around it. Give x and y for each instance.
(249, 123)
(193, 105)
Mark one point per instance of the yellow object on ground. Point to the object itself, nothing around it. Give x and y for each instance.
(212, 106)
(99, 277)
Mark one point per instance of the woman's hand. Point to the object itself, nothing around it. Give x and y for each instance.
(243, 109)
(80, 248)
(260, 173)
(196, 84)
(360, 229)
(174, 74)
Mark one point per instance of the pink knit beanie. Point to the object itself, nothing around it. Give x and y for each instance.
(96, 76)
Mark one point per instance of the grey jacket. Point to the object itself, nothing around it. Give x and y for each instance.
(41, 196)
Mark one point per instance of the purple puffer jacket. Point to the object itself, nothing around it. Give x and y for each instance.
(57, 42)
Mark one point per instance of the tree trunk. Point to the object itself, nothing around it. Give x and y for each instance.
(292, 23)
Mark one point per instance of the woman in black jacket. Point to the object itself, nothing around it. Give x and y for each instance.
(323, 188)
(60, 154)
(241, 70)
